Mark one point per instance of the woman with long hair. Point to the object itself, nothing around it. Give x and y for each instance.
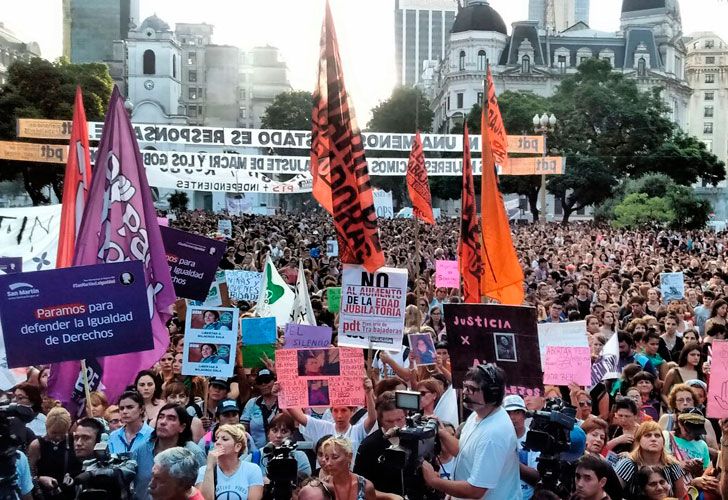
(609, 324)
(336, 468)
(166, 370)
(717, 314)
(412, 319)
(430, 392)
(436, 322)
(689, 368)
(651, 483)
(149, 386)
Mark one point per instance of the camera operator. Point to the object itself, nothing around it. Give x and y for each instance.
(486, 461)
(15, 476)
(516, 408)
(281, 428)
(87, 434)
(174, 474)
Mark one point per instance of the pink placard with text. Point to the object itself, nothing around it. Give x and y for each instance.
(447, 274)
(565, 365)
(718, 386)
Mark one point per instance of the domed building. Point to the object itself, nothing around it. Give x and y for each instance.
(648, 47)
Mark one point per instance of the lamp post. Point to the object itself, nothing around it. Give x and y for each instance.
(542, 125)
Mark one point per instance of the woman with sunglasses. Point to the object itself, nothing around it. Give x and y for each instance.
(430, 392)
(581, 401)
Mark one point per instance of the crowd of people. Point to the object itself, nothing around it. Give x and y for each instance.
(644, 435)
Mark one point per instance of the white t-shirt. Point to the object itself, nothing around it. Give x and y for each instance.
(315, 429)
(248, 474)
(488, 456)
(385, 370)
(530, 459)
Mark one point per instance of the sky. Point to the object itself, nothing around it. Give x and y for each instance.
(365, 30)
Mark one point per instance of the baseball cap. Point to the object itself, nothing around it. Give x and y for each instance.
(227, 405)
(220, 382)
(577, 438)
(514, 402)
(264, 376)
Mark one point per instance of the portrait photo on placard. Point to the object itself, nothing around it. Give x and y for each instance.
(505, 347)
(318, 393)
(211, 319)
(216, 354)
(318, 362)
(423, 348)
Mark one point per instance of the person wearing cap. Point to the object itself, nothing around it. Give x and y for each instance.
(686, 441)
(228, 412)
(258, 412)
(217, 390)
(516, 408)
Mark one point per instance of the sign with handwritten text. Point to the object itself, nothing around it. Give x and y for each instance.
(565, 365)
(718, 387)
(300, 336)
(243, 285)
(447, 274)
(571, 334)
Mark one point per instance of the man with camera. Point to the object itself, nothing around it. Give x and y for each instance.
(516, 409)
(486, 458)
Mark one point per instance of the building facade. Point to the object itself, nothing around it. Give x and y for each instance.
(558, 14)
(421, 31)
(222, 66)
(13, 49)
(263, 75)
(194, 39)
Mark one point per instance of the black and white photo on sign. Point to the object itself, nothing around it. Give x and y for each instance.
(505, 347)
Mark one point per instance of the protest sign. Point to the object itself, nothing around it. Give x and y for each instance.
(333, 298)
(672, 286)
(192, 261)
(243, 285)
(606, 366)
(565, 365)
(74, 313)
(383, 203)
(300, 336)
(447, 274)
(163, 221)
(225, 227)
(210, 339)
(10, 265)
(31, 233)
(571, 334)
(332, 248)
(718, 386)
(372, 307)
(423, 349)
(320, 377)
(504, 335)
(259, 339)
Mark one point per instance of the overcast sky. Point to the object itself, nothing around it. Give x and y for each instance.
(365, 30)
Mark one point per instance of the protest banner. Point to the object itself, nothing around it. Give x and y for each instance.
(243, 285)
(423, 349)
(320, 377)
(74, 313)
(718, 386)
(306, 336)
(504, 335)
(571, 334)
(31, 233)
(192, 261)
(211, 336)
(225, 227)
(383, 203)
(259, 339)
(10, 265)
(332, 248)
(447, 274)
(372, 307)
(566, 365)
(672, 286)
(333, 298)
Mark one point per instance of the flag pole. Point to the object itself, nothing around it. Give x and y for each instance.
(86, 388)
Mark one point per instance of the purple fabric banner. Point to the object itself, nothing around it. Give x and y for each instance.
(120, 224)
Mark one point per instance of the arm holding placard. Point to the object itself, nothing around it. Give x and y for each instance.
(371, 407)
(400, 371)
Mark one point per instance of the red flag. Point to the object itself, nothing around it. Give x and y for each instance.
(497, 132)
(417, 184)
(338, 165)
(76, 184)
(469, 245)
(502, 277)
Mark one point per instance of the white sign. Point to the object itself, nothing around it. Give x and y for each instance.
(372, 308)
(383, 204)
(225, 227)
(243, 285)
(211, 335)
(31, 233)
(672, 286)
(332, 248)
(572, 334)
(235, 203)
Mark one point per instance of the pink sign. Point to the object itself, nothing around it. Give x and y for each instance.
(447, 274)
(320, 377)
(718, 386)
(565, 365)
(163, 221)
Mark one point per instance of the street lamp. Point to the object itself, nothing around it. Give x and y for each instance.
(542, 125)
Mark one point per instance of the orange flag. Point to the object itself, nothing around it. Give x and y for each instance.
(76, 184)
(469, 246)
(497, 132)
(338, 165)
(502, 277)
(417, 184)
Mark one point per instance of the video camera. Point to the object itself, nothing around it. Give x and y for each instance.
(106, 476)
(9, 444)
(418, 441)
(282, 470)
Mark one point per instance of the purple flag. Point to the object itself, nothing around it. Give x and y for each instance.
(119, 224)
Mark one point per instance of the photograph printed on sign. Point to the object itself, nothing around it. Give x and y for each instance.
(210, 341)
(210, 319)
(218, 354)
(318, 362)
(422, 348)
(318, 392)
(505, 347)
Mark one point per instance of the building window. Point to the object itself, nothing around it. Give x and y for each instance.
(192, 76)
(460, 100)
(192, 111)
(562, 64)
(710, 60)
(709, 96)
(709, 44)
(193, 94)
(708, 127)
(461, 64)
(242, 94)
(708, 145)
(174, 66)
(149, 62)
(709, 78)
(525, 64)
(641, 67)
(243, 113)
(192, 57)
(448, 103)
(583, 59)
(480, 98)
(708, 112)
(482, 60)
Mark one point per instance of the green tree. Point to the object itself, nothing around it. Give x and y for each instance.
(585, 181)
(41, 89)
(689, 212)
(178, 201)
(639, 210)
(289, 111)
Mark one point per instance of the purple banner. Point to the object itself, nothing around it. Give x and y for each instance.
(74, 313)
(192, 261)
(10, 265)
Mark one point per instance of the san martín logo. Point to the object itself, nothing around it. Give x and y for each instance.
(22, 291)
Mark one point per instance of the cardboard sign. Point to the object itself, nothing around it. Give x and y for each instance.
(504, 335)
(320, 377)
(192, 261)
(332, 248)
(10, 265)
(672, 286)
(372, 308)
(243, 285)
(305, 336)
(74, 313)
(423, 348)
(571, 334)
(565, 365)
(211, 334)
(447, 274)
(718, 387)
(333, 298)
(259, 338)
(225, 227)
